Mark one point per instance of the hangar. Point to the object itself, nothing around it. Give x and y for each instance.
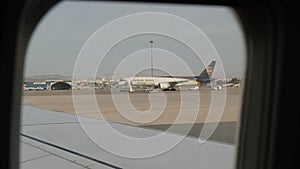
(61, 86)
(58, 85)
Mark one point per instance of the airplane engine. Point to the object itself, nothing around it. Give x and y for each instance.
(164, 86)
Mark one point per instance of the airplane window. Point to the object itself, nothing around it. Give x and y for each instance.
(133, 85)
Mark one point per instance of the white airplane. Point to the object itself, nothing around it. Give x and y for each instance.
(170, 83)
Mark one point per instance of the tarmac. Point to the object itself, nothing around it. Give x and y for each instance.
(167, 109)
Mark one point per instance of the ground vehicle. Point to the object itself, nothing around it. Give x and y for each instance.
(266, 26)
(124, 88)
(194, 88)
(216, 87)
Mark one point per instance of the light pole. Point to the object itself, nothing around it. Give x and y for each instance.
(151, 45)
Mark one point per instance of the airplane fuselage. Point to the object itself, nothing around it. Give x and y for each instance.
(170, 83)
(161, 82)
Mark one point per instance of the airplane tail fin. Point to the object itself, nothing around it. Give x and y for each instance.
(205, 75)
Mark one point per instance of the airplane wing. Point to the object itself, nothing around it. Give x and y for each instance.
(174, 83)
(51, 139)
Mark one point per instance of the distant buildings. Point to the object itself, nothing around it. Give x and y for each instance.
(48, 85)
(66, 84)
(34, 86)
(102, 83)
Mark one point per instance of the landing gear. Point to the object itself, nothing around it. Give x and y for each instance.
(170, 89)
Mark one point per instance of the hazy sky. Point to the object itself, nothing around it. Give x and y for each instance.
(61, 34)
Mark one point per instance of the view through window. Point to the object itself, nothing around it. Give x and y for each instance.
(133, 85)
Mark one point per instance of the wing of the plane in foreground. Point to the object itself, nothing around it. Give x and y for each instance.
(52, 139)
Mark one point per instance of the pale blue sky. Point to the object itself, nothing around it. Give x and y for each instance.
(61, 34)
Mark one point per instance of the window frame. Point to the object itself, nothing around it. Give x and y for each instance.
(264, 26)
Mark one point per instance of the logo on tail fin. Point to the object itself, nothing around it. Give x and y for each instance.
(209, 70)
(205, 75)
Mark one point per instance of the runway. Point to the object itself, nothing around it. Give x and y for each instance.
(62, 101)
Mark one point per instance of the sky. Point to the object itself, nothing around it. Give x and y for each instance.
(88, 38)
